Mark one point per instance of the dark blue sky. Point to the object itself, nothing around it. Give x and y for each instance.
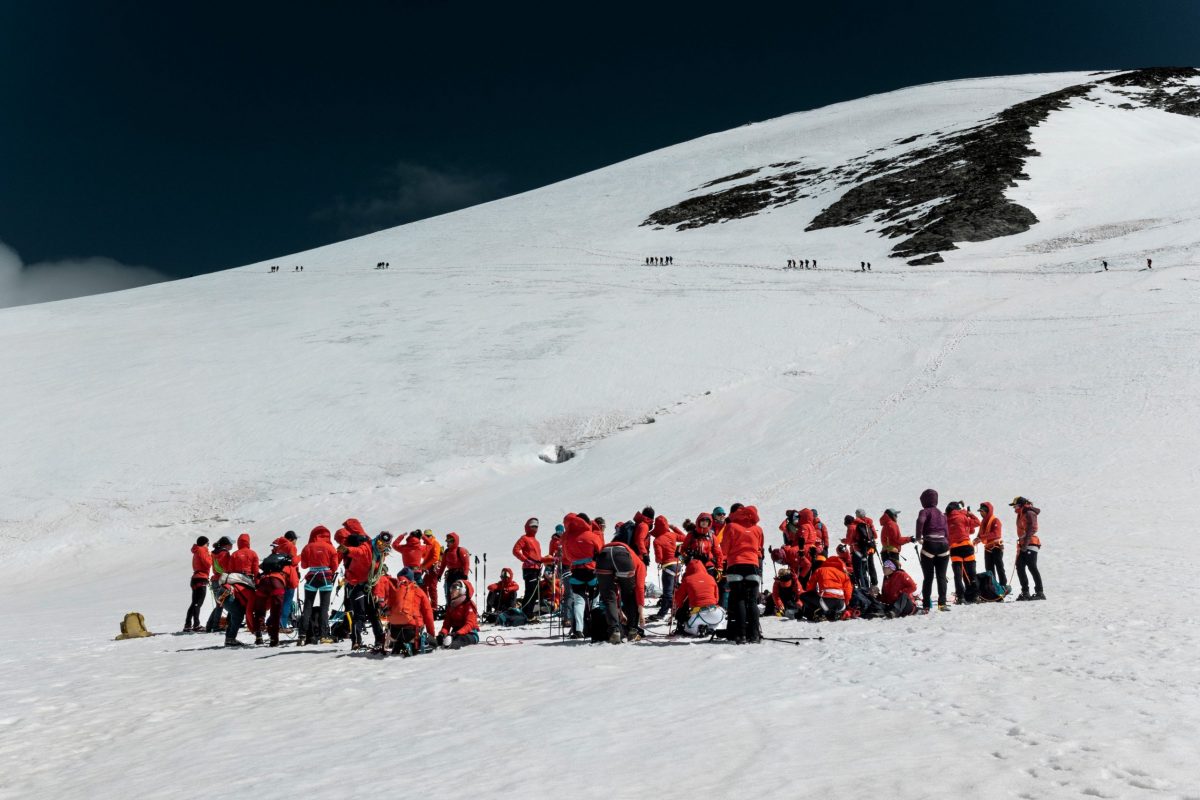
(190, 137)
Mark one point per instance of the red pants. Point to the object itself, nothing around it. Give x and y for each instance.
(269, 597)
(430, 586)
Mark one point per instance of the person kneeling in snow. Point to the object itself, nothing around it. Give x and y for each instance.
(833, 589)
(897, 592)
(785, 595)
(408, 610)
(696, 610)
(460, 626)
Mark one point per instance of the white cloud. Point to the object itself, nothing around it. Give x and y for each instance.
(21, 284)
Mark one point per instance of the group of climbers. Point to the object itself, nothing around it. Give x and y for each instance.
(711, 572)
(262, 595)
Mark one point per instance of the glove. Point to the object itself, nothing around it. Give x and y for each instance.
(447, 639)
(646, 559)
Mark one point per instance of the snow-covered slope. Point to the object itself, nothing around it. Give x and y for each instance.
(422, 396)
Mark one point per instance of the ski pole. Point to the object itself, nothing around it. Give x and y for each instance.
(794, 640)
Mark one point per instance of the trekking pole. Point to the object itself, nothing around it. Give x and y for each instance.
(794, 640)
(476, 572)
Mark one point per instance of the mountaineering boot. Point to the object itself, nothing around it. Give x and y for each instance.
(943, 607)
(614, 637)
(1024, 595)
(258, 638)
(234, 643)
(1038, 596)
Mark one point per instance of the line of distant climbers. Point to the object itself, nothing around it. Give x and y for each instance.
(659, 261)
(1149, 264)
(384, 265)
(296, 268)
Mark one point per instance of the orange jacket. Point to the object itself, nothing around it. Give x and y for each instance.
(743, 540)
(433, 553)
(411, 549)
(201, 561)
(665, 541)
(830, 580)
(641, 535)
(697, 589)
(528, 550)
(990, 529)
(319, 552)
(890, 535)
(244, 560)
(960, 524)
(408, 604)
(1027, 526)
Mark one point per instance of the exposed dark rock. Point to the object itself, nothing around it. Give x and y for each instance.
(561, 454)
(950, 190)
(932, 258)
(737, 176)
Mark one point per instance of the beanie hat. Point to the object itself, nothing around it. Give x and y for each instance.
(860, 512)
(559, 529)
(718, 512)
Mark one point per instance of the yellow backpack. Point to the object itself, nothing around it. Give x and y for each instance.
(133, 627)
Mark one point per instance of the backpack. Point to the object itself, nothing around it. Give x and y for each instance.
(867, 606)
(404, 616)
(597, 624)
(276, 562)
(511, 618)
(133, 627)
(988, 590)
(339, 626)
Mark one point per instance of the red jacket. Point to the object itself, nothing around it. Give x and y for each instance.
(319, 552)
(292, 573)
(464, 617)
(830, 580)
(704, 547)
(408, 604)
(895, 585)
(665, 541)
(244, 560)
(580, 543)
(554, 551)
(797, 561)
(990, 529)
(456, 556)
(641, 535)
(506, 586)
(528, 550)
(350, 526)
(786, 592)
(411, 550)
(201, 561)
(742, 543)
(220, 561)
(890, 535)
(791, 533)
(811, 536)
(358, 559)
(960, 524)
(697, 589)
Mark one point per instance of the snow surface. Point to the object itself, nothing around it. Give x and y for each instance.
(422, 396)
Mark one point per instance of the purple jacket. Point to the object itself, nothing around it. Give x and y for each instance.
(931, 522)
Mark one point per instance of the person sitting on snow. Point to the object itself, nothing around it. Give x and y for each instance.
(460, 626)
(501, 595)
(897, 591)
(696, 608)
(408, 610)
(833, 589)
